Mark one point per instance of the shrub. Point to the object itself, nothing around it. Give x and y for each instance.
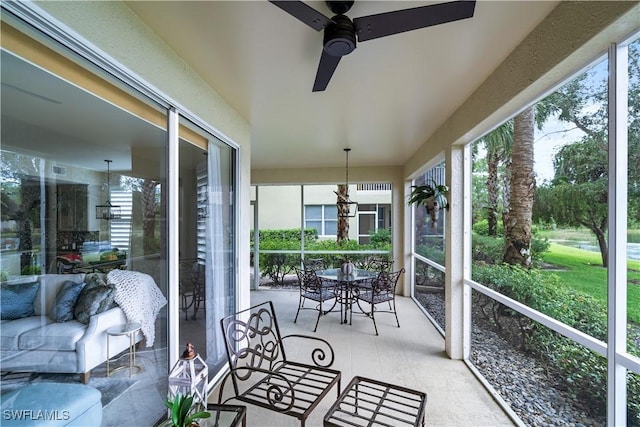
(482, 228)
(434, 253)
(381, 238)
(491, 249)
(336, 260)
(277, 265)
(584, 370)
(487, 249)
(289, 234)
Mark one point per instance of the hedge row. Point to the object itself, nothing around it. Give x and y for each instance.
(276, 266)
(584, 371)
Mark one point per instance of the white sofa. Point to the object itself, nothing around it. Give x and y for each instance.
(39, 344)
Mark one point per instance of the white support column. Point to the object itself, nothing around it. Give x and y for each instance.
(617, 260)
(173, 235)
(404, 188)
(457, 294)
(398, 209)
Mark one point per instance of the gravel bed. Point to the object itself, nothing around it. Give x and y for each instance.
(519, 379)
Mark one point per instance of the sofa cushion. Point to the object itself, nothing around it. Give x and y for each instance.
(16, 300)
(93, 300)
(50, 284)
(62, 309)
(53, 336)
(10, 330)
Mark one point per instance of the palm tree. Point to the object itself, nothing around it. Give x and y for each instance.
(518, 225)
(498, 145)
(343, 212)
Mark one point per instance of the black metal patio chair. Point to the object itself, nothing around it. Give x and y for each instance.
(262, 374)
(315, 289)
(382, 290)
(314, 264)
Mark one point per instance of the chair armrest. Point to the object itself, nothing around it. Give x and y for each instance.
(275, 392)
(322, 357)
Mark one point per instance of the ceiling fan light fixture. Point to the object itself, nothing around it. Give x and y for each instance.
(340, 36)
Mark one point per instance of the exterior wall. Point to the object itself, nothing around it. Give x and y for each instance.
(279, 205)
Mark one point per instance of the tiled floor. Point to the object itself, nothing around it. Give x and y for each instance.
(412, 355)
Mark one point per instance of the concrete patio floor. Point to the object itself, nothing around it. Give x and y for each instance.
(412, 356)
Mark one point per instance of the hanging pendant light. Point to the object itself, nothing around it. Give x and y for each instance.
(344, 203)
(108, 211)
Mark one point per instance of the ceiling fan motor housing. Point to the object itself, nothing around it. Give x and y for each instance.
(339, 7)
(340, 36)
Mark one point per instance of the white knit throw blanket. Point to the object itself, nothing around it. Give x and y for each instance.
(139, 298)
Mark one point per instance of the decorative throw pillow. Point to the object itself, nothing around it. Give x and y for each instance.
(16, 300)
(95, 279)
(65, 301)
(92, 301)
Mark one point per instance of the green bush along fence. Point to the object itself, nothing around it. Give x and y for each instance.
(584, 371)
(281, 251)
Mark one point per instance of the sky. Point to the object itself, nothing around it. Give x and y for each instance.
(547, 142)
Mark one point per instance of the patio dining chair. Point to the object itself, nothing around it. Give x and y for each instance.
(383, 290)
(380, 264)
(314, 264)
(315, 289)
(262, 374)
(192, 286)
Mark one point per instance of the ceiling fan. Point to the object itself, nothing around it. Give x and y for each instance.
(340, 32)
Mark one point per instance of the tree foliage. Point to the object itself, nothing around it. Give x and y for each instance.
(578, 194)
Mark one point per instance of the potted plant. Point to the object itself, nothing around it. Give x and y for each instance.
(432, 196)
(182, 412)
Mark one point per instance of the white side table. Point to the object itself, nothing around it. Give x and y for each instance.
(130, 330)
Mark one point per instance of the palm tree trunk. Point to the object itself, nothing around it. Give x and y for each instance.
(149, 215)
(343, 212)
(518, 226)
(492, 190)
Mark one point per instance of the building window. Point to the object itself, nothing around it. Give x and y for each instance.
(323, 218)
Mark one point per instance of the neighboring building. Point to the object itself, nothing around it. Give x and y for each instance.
(279, 208)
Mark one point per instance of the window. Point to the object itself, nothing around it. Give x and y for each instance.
(323, 218)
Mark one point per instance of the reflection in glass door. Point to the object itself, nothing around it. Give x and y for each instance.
(207, 274)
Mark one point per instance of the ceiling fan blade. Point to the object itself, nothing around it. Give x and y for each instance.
(327, 66)
(389, 23)
(304, 13)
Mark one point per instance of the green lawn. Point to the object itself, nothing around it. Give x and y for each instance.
(584, 272)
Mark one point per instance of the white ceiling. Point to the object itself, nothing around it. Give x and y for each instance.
(385, 99)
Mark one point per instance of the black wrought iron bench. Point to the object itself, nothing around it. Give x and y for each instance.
(262, 374)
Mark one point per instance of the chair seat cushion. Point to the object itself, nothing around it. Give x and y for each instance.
(366, 296)
(325, 294)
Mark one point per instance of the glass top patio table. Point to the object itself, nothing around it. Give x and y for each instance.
(336, 275)
(347, 283)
